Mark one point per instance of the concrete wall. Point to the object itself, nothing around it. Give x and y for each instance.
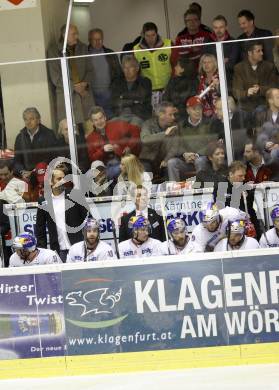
(122, 19)
(27, 35)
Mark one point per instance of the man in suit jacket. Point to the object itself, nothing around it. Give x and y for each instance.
(156, 221)
(64, 223)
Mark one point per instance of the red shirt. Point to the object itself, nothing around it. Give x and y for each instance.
(185, 38)
(2, 185)
(263, 174)
(119, 133)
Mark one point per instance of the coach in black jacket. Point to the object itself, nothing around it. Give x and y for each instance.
(54, 217)
(156, 221)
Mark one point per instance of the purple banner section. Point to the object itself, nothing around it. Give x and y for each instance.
(31, 316)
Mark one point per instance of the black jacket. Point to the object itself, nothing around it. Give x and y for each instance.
(73, 217)
(63, 150)
(208, 175)
(178, 90)
(267, 43)
(156, 222)
(41, 149)
(137, 100)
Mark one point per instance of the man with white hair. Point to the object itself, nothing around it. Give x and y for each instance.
(35, 143)
(131, 92)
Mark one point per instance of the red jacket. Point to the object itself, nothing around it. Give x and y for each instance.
(119, 133)
(185, 38)
(263, 174)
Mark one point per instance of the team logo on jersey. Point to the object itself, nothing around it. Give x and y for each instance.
(93, 308)
(163, 57)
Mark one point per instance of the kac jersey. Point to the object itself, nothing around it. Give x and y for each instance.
(149, 248)
(248, 243)
(272, 239)
(44, 256)
(201, 238)
(77, 253)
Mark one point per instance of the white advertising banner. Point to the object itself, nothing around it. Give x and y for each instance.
(187, 207)
(272, 195)
(16, 4)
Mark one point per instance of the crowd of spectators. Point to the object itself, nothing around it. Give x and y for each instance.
(155, 112)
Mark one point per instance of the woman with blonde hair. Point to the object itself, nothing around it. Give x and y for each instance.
(208, 89)
(132, 172)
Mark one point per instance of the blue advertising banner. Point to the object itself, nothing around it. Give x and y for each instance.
(31, 316)
(171, 305)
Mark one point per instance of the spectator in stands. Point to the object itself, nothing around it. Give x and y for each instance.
(99, 183)
(80, 75)
(129, 47)
(197, 7)
(269, 122)
(240, 121)
(156, 134)
(11, 188)
(182, 85)
(193, 34)
(188, 150)
(256, 171)
(63, 149)
(231, 50)
(253, 77)
(275, 50)
(215, 170)
(106, 68)
(131, 93)
(208, 78)
(155, 64)
(246, 20)
(58, 217)
(110, 140)
(140, 196)
(34, 143)
(132, 173)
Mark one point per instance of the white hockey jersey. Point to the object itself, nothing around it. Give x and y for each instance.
(248, 243)
(44, 256)
(201, 237)
(103, 251)
(149, 248)
(168, 248)
(272, 239)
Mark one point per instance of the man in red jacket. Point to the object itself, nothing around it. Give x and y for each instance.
(110, 140)
(257, 171)
(194, 33)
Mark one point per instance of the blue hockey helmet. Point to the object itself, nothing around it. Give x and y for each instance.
(137, 222)
(275, 212)
(25, 241)
(176, 224)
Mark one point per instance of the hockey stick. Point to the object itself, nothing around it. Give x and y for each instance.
(262, 225)
(165, 222)
(2, 252)
(229, 234)
(115, 239)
